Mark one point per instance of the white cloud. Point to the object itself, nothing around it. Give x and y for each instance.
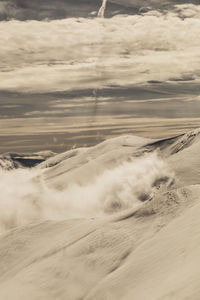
(91, 53)
(188, 10)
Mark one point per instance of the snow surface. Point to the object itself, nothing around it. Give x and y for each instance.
(133, 232)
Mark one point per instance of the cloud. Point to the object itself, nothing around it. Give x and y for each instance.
(47, 9)
(40, 10)
(188, 10)
(93, 53)
(155, 4)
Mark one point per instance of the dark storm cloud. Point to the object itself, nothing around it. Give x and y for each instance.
(51, 9)
(153, 3)
(63, 110)
(38, 10)
(62, 120)
(164, 100)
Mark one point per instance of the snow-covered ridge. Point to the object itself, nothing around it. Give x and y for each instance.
(137, 146)
(83, 165)
(114, 151)
(176, 144)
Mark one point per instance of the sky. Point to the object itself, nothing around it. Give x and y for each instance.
(70, 79)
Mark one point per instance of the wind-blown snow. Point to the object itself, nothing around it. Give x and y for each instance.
(26, 198)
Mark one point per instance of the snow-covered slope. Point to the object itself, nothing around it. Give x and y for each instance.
(144, 244)
(84, 164)
(186, 165)
(183, 156)
(155, 246)
(81, 165)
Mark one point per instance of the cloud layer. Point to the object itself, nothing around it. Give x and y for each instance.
(76, 81)
(92, 53)
(48, 9)
(38, 10)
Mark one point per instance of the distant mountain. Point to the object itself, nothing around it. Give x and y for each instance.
(10, 161)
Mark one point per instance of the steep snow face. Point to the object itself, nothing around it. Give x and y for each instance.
(182, 155)
(185, 141)
(186, 165)
(173, 145)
